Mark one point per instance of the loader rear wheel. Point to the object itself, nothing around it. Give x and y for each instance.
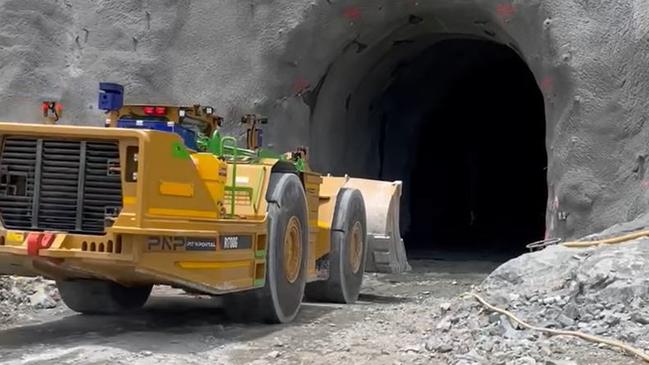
(348, 252)
(102, 297)
(286, 261)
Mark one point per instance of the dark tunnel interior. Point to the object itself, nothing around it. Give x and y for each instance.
(477, 176)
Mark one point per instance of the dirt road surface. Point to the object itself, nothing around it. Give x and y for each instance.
(390, 324)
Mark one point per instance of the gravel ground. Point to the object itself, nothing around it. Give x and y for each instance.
(416, 318)
(389, 324)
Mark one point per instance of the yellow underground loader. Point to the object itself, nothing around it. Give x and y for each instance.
(159, 197)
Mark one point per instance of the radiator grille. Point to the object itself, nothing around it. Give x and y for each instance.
(59, 185)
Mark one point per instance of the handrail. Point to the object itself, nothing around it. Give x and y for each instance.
(224, 142)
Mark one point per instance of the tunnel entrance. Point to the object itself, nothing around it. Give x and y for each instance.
(478, 177)
(462, 124)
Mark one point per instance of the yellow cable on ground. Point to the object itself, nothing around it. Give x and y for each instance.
(614, 343)
(607, 241)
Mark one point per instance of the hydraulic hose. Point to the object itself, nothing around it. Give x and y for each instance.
(607, 241)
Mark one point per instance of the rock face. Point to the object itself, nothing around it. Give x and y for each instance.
(316, 66)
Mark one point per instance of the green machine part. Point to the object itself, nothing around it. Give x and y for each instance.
(226, 147)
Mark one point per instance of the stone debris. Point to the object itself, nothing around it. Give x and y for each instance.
(603, 291)
(22, 295)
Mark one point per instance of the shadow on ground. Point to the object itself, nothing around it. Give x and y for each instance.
(173, 323)
(177, 317)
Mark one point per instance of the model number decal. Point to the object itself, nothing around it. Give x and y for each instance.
(234, 242)
(227, 242)
(230, 242)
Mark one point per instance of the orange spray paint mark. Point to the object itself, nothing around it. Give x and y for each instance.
(300, 85)
(352, 13)
(547, 84)
(505, 11)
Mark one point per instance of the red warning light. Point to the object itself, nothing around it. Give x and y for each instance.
(157, 111)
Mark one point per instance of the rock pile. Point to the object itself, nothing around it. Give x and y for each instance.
(24, 294)
(602, 291)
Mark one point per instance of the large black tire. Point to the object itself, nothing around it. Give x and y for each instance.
(345, 268)
(102, 297)
(280, 299)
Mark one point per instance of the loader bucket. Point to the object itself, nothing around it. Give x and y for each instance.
(386, 251)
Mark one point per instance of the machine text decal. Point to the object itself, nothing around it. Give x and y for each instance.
(166, 243)
(236, 242)
(200, 244)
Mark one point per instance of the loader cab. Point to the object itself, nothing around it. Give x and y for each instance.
(197, 125)
(191, 123)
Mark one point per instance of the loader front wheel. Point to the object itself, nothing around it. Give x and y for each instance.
(348, 252)
(279, 300)
(89, 296)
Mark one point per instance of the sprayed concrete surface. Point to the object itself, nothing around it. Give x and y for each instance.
(317, 67)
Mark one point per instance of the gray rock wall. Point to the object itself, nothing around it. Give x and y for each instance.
(299, 62)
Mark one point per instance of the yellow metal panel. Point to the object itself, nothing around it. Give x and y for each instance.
(15, 236)
(317, 225)
(213, 172)
(182, 212)
(167, 160)
(251, 183)
(73, 131)
(129, 200)
(213, 264)
(324, 225)
(176, 189)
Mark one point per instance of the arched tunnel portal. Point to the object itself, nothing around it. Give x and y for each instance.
(459, 119)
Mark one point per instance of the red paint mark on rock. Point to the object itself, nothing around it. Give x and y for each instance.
(505, 11)
(645, 184)
(352, 13)
(547, 84)
(300, 85)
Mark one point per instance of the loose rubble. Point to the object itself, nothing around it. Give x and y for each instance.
(601, 291)
(20, 296)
